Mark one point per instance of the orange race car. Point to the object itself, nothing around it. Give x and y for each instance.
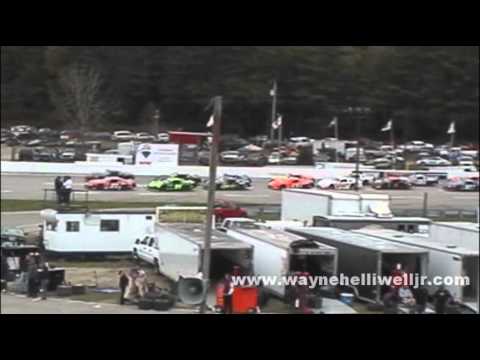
(292, 182)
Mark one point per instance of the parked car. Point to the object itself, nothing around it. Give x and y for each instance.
(111, 183)
(465, 161)
(291, 182)
(434, 161)
(22, 130)
(415, 146)
(232, 157)
(38, 154)
(70, 135)
(163, 138)
(343, 183)
(123, 135)
(392, 183)
(274, 158)
(69, 154)
(144, 136)
(171, 184)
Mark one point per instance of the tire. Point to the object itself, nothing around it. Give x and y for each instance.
(332, 187)
(146, 304)
(163, 303)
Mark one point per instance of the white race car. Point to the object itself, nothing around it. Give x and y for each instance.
(344, 183)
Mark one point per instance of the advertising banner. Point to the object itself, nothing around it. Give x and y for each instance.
(157, 154)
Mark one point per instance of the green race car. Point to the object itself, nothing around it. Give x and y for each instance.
(171, 184)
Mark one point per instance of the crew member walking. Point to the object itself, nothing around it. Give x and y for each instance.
(123, 284)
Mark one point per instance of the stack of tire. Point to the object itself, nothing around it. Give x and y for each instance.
(156, 301)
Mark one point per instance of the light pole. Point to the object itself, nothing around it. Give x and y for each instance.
(273, 93)
(358, 113)
(217, 125)
(156, 118)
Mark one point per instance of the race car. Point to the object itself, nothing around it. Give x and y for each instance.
(110, 173)
(344, 183)
(111, 183)
(196, 179)
(462, 184)
(392, 183)
(171, 184)
(232, 182)
(291, 182)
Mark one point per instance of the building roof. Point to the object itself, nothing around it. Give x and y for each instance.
(417, 240)
(356, 239)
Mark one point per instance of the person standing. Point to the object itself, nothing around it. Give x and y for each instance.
(123, 284)
(67, 189)
(227, 294)
(421, 296)
(391, 301)
(442, 297)
(44, 280)
(59, 189)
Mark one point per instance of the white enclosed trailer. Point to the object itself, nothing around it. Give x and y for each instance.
(180, 248)
(365, 256)
(279, 253)
(405, 224)
(444, 261)
(302, 204)
(462, 234)
(84, 232)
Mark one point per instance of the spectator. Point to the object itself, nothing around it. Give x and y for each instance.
(59, 189)
(67, 189)
(406, 296)
(421, 297)
(441, 298)
(391, 301)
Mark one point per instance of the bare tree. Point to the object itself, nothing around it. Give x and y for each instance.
(81, 96)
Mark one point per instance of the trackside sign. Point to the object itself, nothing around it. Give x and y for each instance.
(157, 154)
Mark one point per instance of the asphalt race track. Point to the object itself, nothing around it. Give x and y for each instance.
(30, 187)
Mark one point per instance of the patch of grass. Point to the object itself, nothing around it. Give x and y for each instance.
(34, 205)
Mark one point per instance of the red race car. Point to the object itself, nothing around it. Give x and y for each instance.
(111, 183)
(292, 182)
(225, 209)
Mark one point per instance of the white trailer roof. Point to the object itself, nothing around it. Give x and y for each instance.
(461, 225)
(356, 239)
(361, 218)
(195, 233)
(416, 240)
(278, 238)
(339, 195)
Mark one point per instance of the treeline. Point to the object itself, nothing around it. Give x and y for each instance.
(423, 88)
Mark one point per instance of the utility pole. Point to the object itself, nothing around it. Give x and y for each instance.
(336, 137)
(357, 165)
(392, 143)
(217, 116)
(274, 110)
(156, 118)
(280, 129)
